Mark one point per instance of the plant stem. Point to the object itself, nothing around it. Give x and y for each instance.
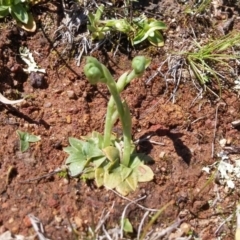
(123, 111)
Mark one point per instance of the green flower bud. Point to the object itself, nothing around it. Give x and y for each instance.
(139, 64)
(93, 71)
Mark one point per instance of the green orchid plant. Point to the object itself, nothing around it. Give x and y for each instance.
(139, 30)
(111, 161)
(20, 11)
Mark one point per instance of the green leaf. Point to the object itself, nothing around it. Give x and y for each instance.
(126, 225)
(111, 153)
(157, 39)
(32, 138)
(24, 146)
(132, 180)
(25, 138)
(76, 168)
(97, 162)
(91, 150)
(145, 173)
(4, 11)
(112, 180)
(75, 157)
(123, 188)
(76, 143)
(125, 172)
(88, 173)
(19, 13)
(99, 176)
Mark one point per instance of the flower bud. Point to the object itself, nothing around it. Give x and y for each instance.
(93, 71)
(139, 64)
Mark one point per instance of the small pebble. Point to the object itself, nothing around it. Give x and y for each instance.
(78, 221)
(185, 228)
(71, 94)
(47, 104)
(27, 222)
(223, 142)
(37, 79)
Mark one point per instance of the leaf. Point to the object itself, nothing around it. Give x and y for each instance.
(24, 146)
(123, 188)
(157, 39)
(125, 172)
(4, 11)
(126, 225)
(91, 150)
(19, 13)
(32, 138)
(132, 180)
(75, 157)
(76, 143)
(111, 180)
(76, 168)
(25, 138)
(111, 153)
(99, 176)
(145, 173)
(97, 162)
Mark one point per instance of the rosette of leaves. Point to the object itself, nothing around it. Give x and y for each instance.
(111, 161)
(149, 28)
(20, 11)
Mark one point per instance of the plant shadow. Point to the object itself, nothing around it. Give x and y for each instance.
(180, 148)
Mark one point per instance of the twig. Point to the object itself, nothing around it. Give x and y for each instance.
(215, 127)
(141, 224)
(220, 226)
(144, 208)
(124, 211)
(58, 170)
(166, 231)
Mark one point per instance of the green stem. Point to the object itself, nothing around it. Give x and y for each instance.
(124, 115)
(109, 122)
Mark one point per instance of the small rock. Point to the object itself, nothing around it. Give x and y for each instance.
(223, 142)
(37, 79)
(27, 222)
(162, 155)
(11, 220)
(47, 104)
(58, 219)
(78, 221)
(185, 228)
(71, 94)
(68, 119)
(52, 203)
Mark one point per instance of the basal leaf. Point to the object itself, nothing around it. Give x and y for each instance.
(99, 176)
(125, 172)
(76, 143)
(91, 150)
(76, 168)
(145, 173)
(111, 153)
(123, 188)
(132, 180)
(97, 162)
(75, 157)
(19, 13)
(111, 180)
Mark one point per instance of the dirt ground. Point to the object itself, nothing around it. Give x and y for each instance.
(62, 104)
